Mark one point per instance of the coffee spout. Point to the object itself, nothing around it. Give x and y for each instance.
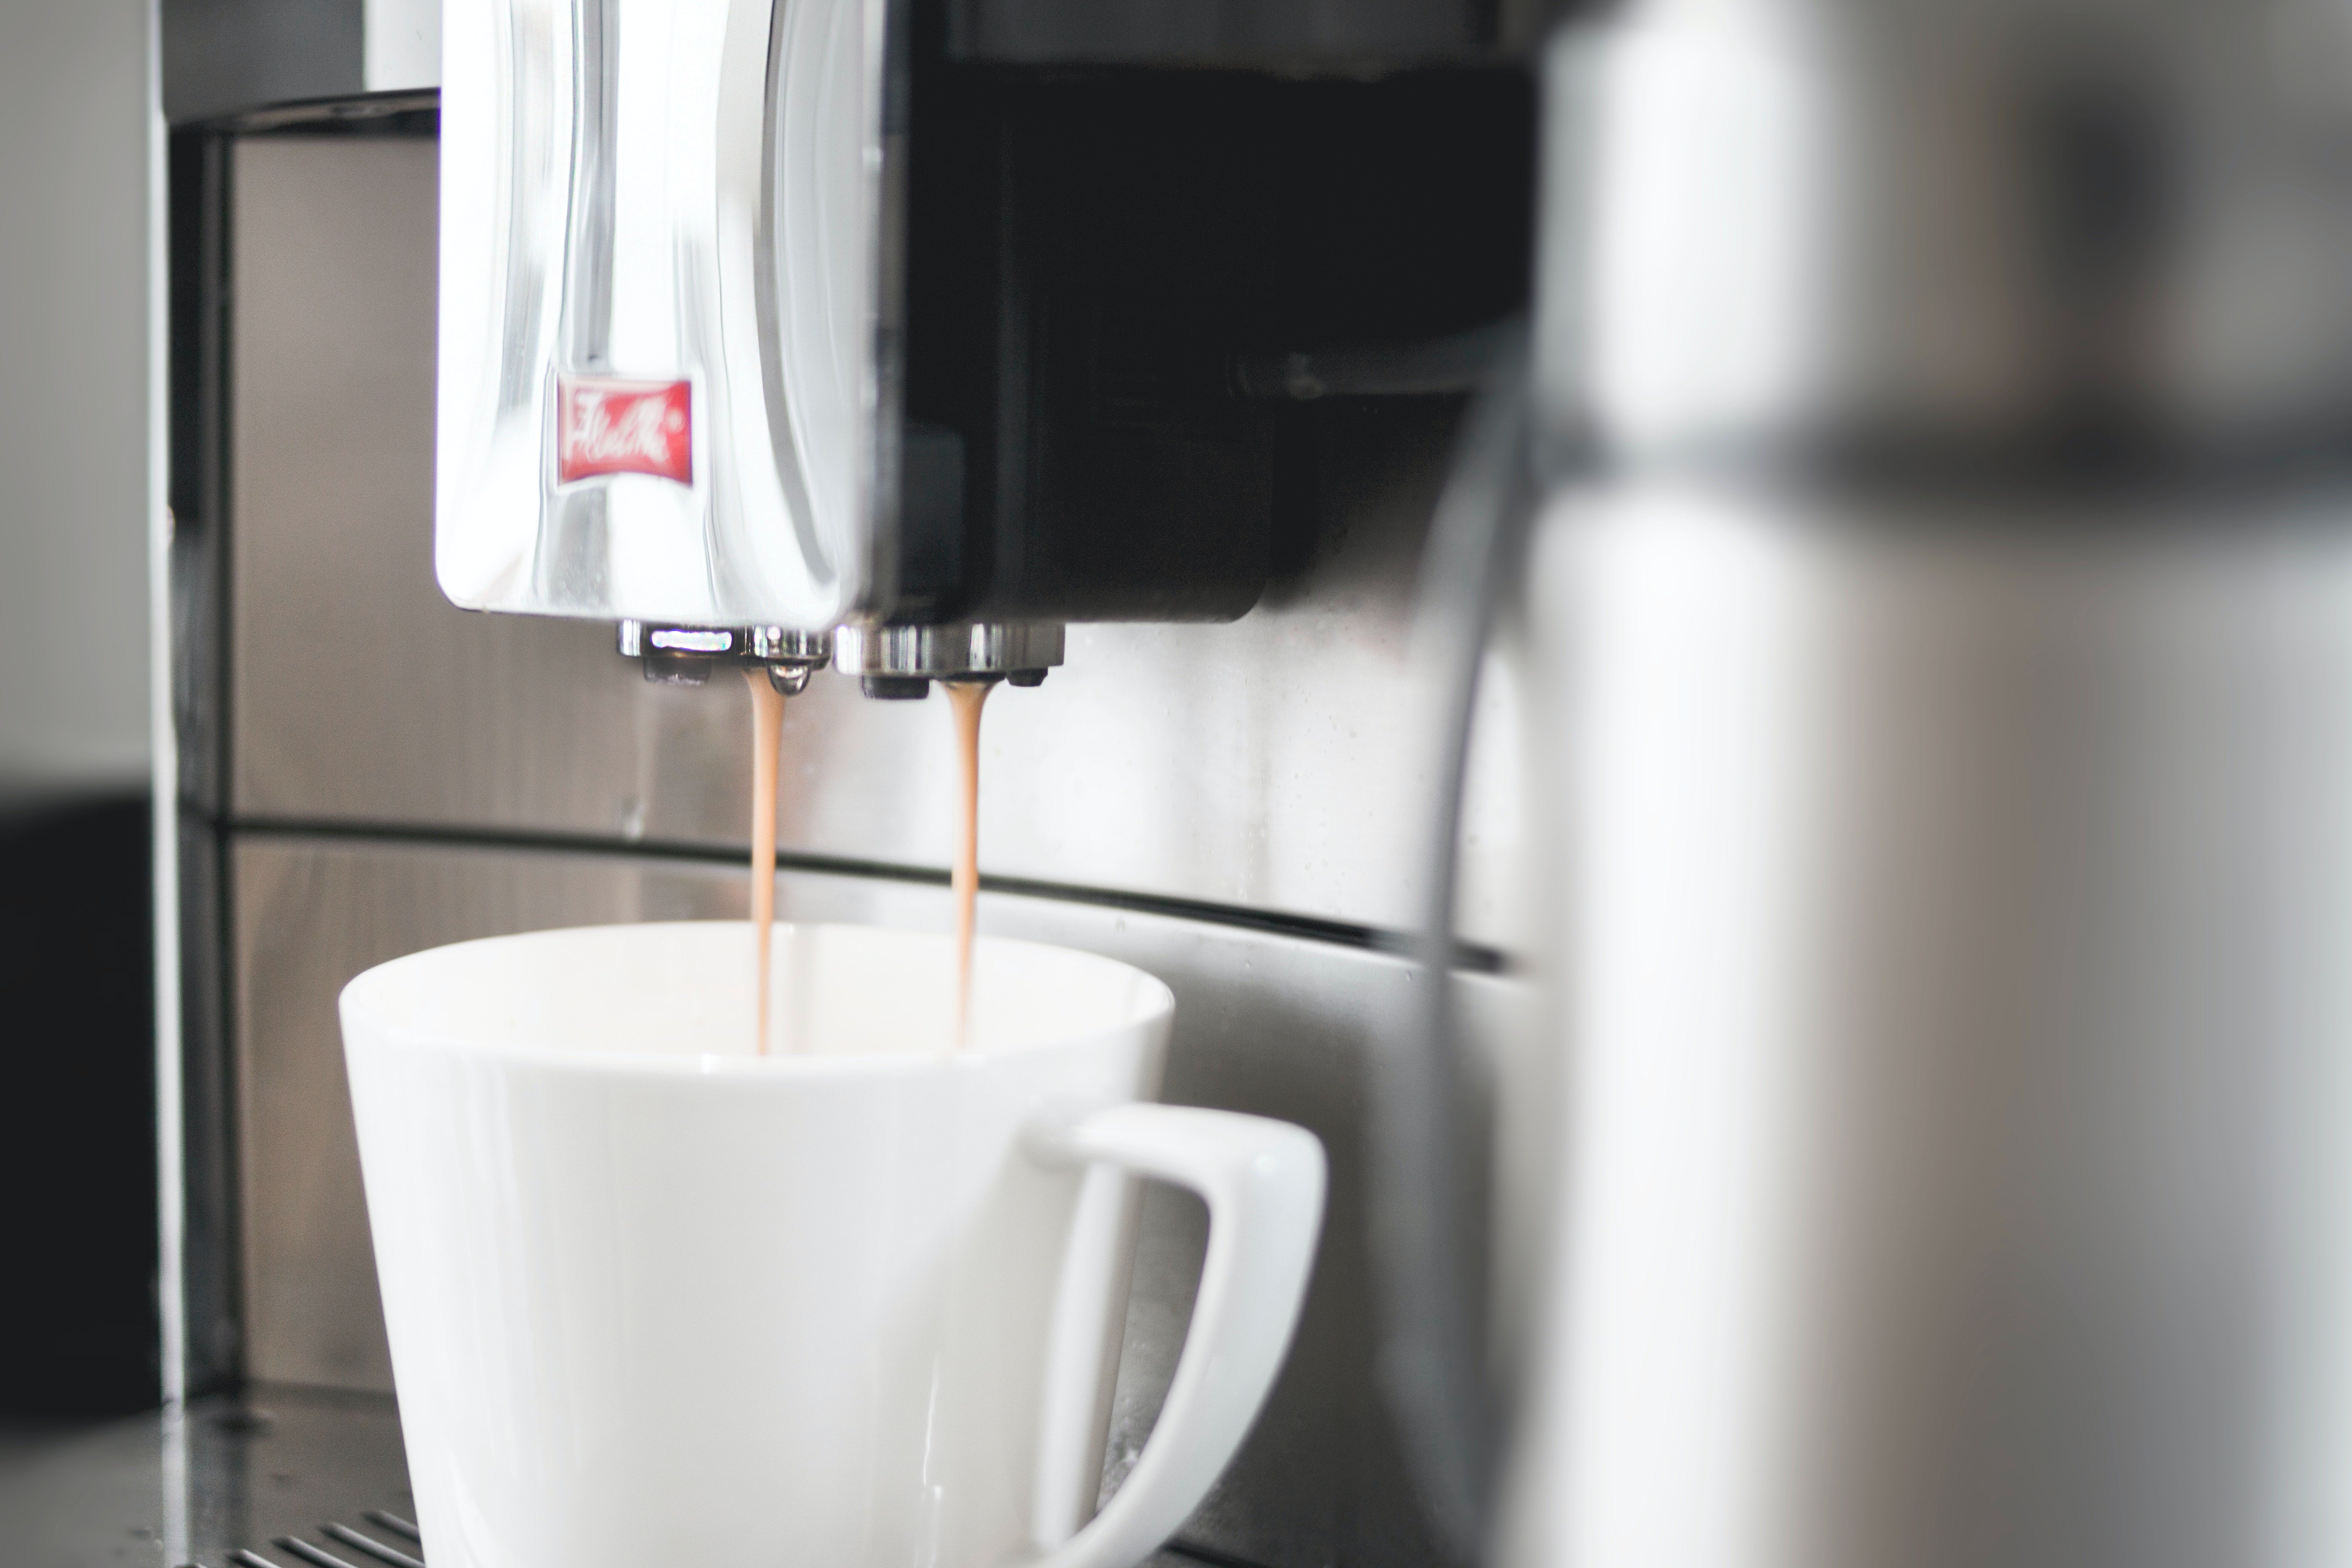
(683, 655)
(900, 663)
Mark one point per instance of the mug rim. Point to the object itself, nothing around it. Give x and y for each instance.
(353, 1002)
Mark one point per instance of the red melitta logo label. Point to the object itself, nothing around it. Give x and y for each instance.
(605, 426)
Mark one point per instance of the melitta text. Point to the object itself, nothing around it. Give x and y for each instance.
(612, 426)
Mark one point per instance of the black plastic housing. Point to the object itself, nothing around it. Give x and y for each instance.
(1090, 251)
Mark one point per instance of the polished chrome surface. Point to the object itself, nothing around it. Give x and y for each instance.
(1267, 1024)
(682, 654)
(644, 195)
(351, 677)
(1259, 763)
(1812, 219)
(756, 645)
(786, 645)
(690, 639)
(945, 652)
(1957, 1028)
(304, 924)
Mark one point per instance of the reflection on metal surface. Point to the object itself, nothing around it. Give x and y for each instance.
(949, 650)
(198, 1485)
(658, 312)
(1970, 224)
(378, 1550)
(900, 658)
(1957, 1101)
(682, 656)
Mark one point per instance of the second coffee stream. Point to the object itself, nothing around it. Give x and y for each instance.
(966, 698)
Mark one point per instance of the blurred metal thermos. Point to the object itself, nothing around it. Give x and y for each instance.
(1940, 581)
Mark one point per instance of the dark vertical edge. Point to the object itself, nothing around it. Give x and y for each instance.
(219, 392)
(211, 1270)
(198, 299)
(201, 300)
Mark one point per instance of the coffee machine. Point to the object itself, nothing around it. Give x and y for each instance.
(755, 325)
(1129, 348)
(1885, 868)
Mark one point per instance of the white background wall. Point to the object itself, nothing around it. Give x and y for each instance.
(73, 391)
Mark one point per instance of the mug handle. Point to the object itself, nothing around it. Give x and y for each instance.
(1263, 1181)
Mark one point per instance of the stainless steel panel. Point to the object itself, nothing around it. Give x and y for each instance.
(1963, 1171)
(1269, 1023)
(308, 919)
(356, 691)
(231, 57)
(1268, 764)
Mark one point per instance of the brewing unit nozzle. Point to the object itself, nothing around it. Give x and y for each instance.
(682, 656)
(900, 663)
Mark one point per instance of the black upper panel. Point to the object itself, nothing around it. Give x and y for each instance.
(1289, 36)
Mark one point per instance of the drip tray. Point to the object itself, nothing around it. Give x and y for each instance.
(216, 1487)
(400, 1546)
(290, 1478)
(282, 1478)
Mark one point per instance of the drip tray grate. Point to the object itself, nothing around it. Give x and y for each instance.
(346, 1548)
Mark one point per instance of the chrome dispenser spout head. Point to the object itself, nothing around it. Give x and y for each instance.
(683, 655)
(898, 663)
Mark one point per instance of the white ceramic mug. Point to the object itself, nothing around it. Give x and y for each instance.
(853, 1304)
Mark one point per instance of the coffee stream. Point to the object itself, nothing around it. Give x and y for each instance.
(767, 743)
(966, 697)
